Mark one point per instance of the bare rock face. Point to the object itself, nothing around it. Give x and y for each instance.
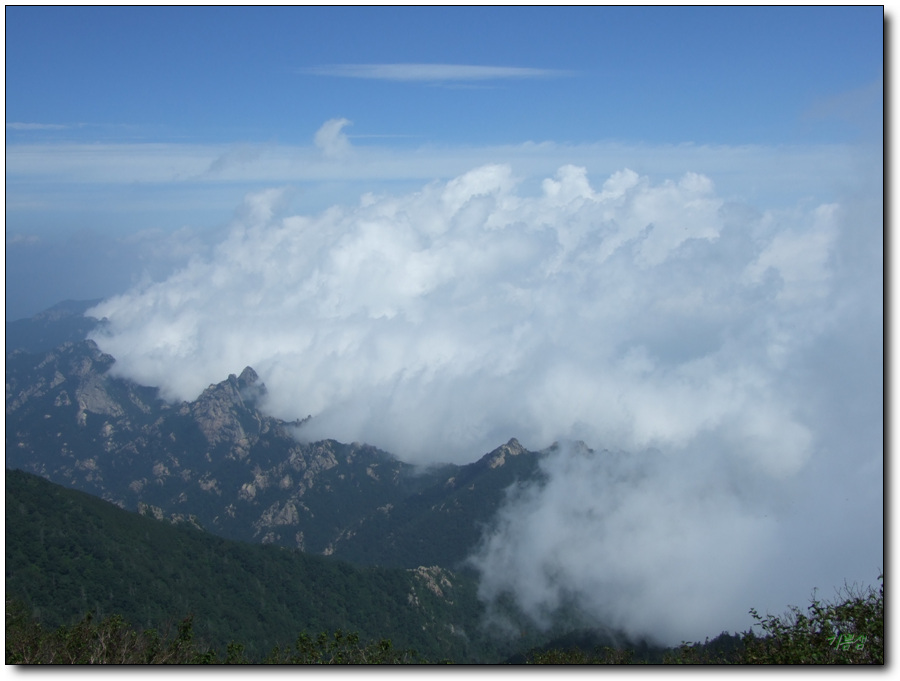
(433, 578)
(249, 384)
(93, 397)
(222, 412)
(498, 457)
(76, 365)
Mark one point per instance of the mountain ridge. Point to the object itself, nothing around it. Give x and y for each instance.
(228, 467)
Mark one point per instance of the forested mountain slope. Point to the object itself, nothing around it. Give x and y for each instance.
(68, 552)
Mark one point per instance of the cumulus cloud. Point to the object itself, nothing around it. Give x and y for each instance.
(437, 322)
(705, 337)
(679, 541)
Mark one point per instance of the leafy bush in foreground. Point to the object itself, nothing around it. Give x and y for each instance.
(846, 632)
(112, 641)
(341, 649)
(850, 631)
(108, 641)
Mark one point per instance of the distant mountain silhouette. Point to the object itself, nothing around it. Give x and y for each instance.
(64, 322)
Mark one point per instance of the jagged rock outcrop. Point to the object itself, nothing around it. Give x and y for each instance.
(434, 578)
(239, 472)
(175, 518)
(77, 365)
(219, 458)
(222, 412)
(498, 456)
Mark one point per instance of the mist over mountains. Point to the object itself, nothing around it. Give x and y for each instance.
(588, 307)
(720, 360)
(453, 318)
(219, 463)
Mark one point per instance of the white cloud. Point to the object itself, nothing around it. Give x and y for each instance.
(39, 175)
(473, 291)
(238, 157)
(862, 106)
(21, 239)
(800, 255)
(637, 315)
(111, 163)
(431, 72)
(651, 543)
(331, 139)
(36, 126)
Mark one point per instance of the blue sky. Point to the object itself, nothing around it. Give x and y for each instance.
(657, 230)
(115, 115)
(726, 75)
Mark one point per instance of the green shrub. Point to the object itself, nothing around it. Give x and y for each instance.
(341, 649)
(850, 631)
(113, 641)
(108, 641)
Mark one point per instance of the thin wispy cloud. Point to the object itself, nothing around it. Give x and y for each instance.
(432, 72)
(747, 170)
(861, 106)
(21, 239)
(36, 126)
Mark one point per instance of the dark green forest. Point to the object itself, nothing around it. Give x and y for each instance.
(68, 553)
(89, 582)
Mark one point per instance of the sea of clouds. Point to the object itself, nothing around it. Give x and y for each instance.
(728, 356)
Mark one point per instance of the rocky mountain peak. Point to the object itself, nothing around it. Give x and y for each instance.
(223, 409)
(498, 457)
(248, 377)
(235, 392)
(250, 387)
(77, 369)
